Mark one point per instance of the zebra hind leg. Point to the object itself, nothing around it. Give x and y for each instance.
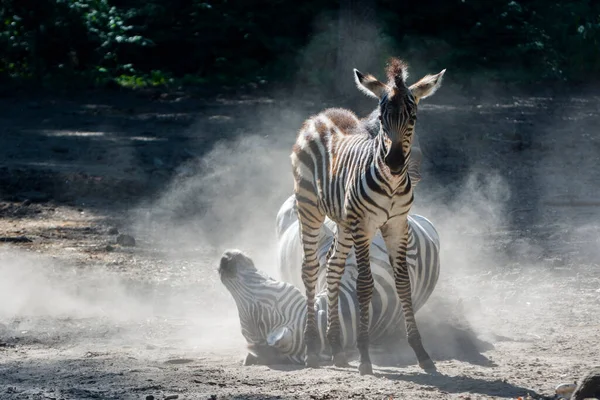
(336, 263)
(396, 245)
(310, 219)
(364, 291)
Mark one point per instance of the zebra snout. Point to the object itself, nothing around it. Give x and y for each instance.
(395, 159)
(227, 265)
(231, 260)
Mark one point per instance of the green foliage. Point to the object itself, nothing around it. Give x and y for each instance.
(106, 27)
(54, 36)
(154, 78)
(138, 43)
(514, 39)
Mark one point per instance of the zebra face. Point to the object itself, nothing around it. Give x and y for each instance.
(397, 107)
(398, 116)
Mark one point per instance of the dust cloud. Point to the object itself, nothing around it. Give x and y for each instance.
(230, 200)
(45, 300)
(54, 302)
(34, 285)
(511, 245)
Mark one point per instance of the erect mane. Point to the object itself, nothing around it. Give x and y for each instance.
(397, 71)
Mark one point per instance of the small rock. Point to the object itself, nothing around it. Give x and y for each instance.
(126, 240)
(113, 231)
(26, 202)
(172, 397)
(109, 247)
(149, 397)
(565, 390)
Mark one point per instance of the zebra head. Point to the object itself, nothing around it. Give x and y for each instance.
(269, 310)
(236, 266)
(397, 107)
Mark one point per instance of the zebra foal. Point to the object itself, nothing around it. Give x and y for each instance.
(355, 171)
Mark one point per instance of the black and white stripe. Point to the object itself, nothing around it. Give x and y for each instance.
(360, 181)
(269, 310)
(273, 313)
(386, 314)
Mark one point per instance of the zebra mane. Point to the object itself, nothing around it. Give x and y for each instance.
(371, 123)
(397, 71)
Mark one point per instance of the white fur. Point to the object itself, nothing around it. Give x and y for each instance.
(361, 84)
(427, 85)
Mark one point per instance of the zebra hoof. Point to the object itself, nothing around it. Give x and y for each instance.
(365, 369)
(312, 361)
(340, 360)
(428, 366)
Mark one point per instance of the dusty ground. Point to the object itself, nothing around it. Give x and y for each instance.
(83, 317)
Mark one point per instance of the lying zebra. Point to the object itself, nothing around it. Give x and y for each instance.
(273, 313)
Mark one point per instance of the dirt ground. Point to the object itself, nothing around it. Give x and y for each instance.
(85, 316)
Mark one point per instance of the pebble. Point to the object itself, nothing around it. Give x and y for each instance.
(126, 240)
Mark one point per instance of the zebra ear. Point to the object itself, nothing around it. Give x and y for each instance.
(427, 86)
(281, 338)
(369, 85)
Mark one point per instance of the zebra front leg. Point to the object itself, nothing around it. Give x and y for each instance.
(395, 234)
(336, 263)
(364, 291)
(310, 223)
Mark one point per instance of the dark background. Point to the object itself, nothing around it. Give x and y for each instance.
(137, 43)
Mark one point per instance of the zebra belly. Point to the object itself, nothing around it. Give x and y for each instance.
(340, 212)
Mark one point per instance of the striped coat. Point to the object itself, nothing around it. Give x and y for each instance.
(360, 180)
(273, 312)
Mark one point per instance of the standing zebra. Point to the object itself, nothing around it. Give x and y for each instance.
(273, 313)
(358, 178)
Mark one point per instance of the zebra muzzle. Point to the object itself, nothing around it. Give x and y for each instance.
(395, 159)
(231, 261)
